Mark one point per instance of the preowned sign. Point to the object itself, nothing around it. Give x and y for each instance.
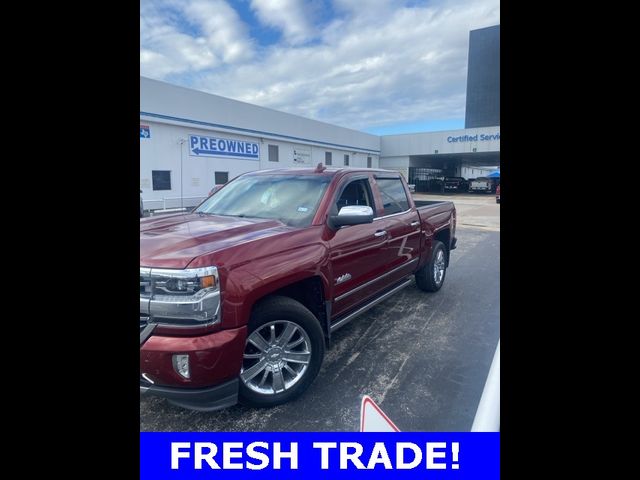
(200, 146)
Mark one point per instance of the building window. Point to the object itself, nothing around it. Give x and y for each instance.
(222, 178)
(394, 197)
(161, 179)
(368, 162)
(327, 158)
(273, 153)
(346, 160)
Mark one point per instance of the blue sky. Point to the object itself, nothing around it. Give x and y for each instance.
(382, 66)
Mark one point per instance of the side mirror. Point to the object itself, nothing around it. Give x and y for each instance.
(351, 215)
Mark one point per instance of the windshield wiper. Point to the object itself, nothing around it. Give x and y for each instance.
(238, 215)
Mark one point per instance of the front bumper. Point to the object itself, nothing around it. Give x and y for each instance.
(215, 360)
(201, 399)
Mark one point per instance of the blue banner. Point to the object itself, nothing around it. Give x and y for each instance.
(337, 456)
(202, 146)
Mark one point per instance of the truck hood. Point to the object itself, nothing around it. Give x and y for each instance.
(174, 241)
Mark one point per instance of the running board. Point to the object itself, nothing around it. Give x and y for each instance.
(343, 321)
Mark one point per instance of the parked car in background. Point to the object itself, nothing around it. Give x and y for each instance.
(141, 206)
(436, 184)
(455, 184)
(481, 185)
(498, 194)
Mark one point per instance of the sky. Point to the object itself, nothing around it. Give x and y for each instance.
(380, 66)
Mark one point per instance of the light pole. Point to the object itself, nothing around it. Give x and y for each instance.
(181, 142)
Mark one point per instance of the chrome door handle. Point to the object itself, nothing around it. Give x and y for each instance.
(415, 224)
(380, 233)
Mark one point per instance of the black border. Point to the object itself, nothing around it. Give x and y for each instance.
(74, 237)
(73, 371)
(551, 234)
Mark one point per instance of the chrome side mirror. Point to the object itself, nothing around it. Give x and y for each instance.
(351, 215)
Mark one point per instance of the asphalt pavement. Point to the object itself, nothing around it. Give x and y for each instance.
(423, 357)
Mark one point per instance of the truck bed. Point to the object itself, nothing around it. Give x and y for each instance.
(435, 212)
(424, 203)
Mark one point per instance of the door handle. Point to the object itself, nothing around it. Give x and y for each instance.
(415, 224)
(380, 233)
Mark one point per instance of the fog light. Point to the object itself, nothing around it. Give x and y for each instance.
(181, 365)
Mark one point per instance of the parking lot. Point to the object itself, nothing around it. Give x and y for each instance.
(422, 357)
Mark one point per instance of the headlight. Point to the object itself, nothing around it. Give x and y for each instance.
(182, 297)
(185, 283)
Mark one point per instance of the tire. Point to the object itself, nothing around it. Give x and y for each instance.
(428, 278)
(270, 382)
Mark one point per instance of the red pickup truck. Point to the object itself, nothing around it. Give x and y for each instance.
(240, 297)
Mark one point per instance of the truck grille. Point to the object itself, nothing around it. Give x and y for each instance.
(145, 283)
(144, 321)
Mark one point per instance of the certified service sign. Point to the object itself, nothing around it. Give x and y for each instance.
(200, 146)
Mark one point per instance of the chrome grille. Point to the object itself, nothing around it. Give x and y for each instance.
(144, 321)
(145, 283)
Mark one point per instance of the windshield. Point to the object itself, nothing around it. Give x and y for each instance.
(292, 199)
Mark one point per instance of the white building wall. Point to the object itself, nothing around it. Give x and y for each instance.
(174, 103)
(173, 113)
(163, 151)
(398, 164)
(485, 139)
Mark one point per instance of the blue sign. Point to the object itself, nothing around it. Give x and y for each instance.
(483, 137)
(145, 131)
(339, 456)
(200, 146)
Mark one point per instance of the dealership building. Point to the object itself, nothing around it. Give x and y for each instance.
(191, 140)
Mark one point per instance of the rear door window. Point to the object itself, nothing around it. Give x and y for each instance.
(394, 197)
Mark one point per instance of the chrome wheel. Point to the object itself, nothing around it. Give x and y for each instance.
(276, 357)
(439, 267)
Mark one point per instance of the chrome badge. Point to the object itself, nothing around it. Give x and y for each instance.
(343, 278)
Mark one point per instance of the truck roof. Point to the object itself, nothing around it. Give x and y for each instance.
(331, 171)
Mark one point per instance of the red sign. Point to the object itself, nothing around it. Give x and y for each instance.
(373, 419)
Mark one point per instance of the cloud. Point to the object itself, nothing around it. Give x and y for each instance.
(408, 64)
(291, 17)
(190, 35)
(365, 10)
